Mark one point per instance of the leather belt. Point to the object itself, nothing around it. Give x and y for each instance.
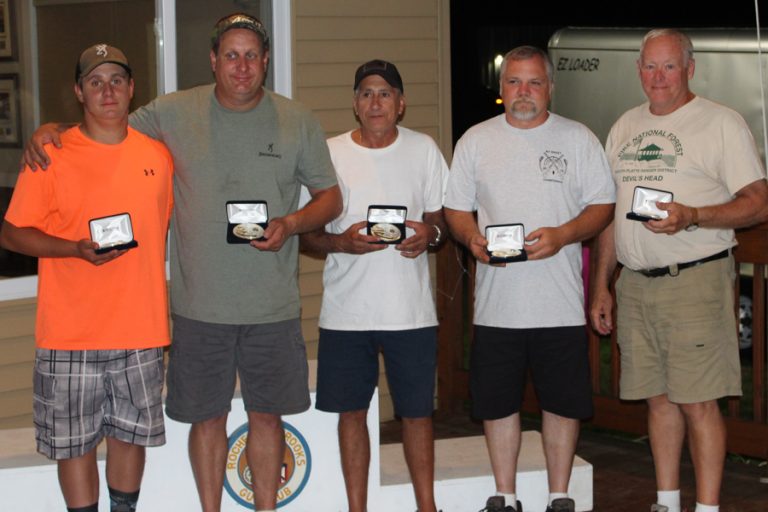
(675, 269)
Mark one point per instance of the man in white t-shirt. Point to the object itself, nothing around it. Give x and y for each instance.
(676, 322)
(535, 171)
(377, 296)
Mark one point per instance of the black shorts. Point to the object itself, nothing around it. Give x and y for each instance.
(557, 358)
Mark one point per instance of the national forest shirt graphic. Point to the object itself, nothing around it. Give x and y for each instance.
(648, 157)
(703, 153)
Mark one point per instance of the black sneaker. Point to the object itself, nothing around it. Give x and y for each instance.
(497, 504)
(562, 505)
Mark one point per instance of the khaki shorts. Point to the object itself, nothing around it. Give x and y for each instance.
(677, 335)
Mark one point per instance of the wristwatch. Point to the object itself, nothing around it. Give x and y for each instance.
(694, 225)
(437, 238)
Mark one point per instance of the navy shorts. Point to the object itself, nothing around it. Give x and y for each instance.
(557, 358)
(348, 369)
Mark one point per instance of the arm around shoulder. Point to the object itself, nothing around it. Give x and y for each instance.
(34, 153)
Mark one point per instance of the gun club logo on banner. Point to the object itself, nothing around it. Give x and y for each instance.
(294, 473)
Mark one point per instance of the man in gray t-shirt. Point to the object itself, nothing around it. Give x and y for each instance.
(236, 306)
(529, 172)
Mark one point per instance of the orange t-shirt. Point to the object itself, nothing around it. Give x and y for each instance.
(123, 303)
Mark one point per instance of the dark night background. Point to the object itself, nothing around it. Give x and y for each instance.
(482, 29)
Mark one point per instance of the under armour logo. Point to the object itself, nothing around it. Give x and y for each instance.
(101, 50)
(148, 172)
(269, 147)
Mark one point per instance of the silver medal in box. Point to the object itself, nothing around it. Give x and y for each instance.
(246, 221)
(387, 223)
(644, 202)
(506, 243)
(112, 232)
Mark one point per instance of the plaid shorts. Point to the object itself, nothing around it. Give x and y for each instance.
(82, 396)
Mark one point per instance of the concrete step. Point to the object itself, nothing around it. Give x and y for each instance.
(464, 480)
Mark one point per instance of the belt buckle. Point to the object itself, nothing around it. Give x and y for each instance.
(673, 270)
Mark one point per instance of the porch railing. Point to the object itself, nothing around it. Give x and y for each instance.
(745, 416)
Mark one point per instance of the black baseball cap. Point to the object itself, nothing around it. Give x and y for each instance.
(384, 69)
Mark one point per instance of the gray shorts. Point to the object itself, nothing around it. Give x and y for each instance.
(205, 359)
(82, 396)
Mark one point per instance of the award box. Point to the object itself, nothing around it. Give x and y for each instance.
(506, 243)
(387, 223)
(246, 221)
(644, 202)
(113, 232)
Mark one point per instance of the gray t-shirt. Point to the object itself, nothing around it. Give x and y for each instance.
(543, 176)
(220, 155)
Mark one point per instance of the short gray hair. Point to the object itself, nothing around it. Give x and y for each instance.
(685, 42)
(525, 53)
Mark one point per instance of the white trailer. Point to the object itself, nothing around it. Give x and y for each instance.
(596, 76)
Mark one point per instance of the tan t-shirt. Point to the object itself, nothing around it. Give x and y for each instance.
(703, 153)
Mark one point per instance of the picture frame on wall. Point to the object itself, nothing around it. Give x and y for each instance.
(7, 35)
(10, 111)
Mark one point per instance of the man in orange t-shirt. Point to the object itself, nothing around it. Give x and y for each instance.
(102, 309)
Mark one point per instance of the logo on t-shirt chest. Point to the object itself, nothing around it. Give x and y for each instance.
(650, 155)
(270, 151)
(652, 148)
(553, 166)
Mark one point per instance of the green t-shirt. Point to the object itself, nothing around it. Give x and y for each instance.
(220, 155)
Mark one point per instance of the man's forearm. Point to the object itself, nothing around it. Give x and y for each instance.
(33, 242)
(747, 208)
(589, 223)
(462, 225)
(324, 206)
(606, 258)
(318, 242)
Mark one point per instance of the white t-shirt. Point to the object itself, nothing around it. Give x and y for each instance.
(702, 152)
(382, 290)
(540, 177)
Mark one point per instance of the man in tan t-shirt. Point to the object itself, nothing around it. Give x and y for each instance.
(675, 319)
